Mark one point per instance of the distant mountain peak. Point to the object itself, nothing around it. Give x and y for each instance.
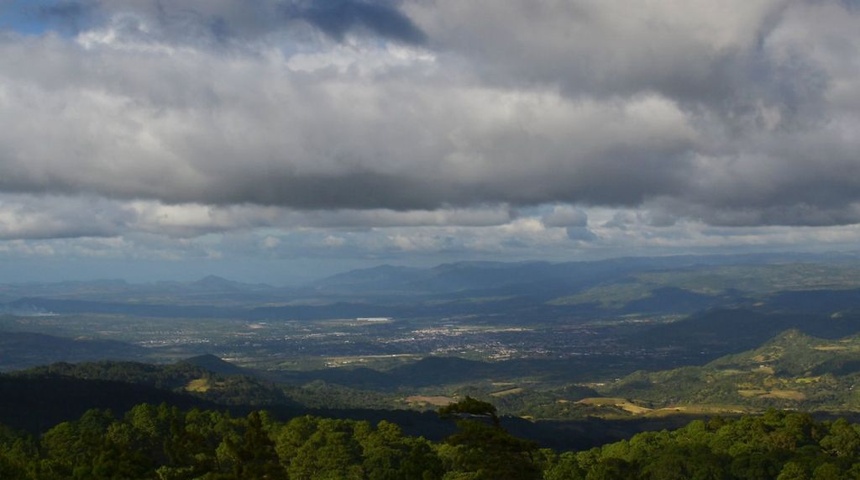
(380, 277)
(206, 357)
(214, 282)
(214, 279)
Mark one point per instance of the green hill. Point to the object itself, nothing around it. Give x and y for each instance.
(186, 377)
(793, 370)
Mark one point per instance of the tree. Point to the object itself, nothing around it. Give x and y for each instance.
(255, 455)
(18, 455)
(842, 440)
(611, 469)
(827, 471)
(566, 467)
(470, 408)
(793, 471)
(388, 455)
(482, 448)
(331, 452)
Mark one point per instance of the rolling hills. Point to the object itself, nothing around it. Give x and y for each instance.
(793, 371)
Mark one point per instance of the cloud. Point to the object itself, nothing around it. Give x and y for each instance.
(217, 23)
(695, 50)
(565, 216)
(24, 216)
(29, 217)
(430, 125)
(339, 17)
(69, 17)
(406, 142)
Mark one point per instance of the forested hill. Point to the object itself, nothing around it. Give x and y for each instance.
(206, 377)
(169, 443)
(792, 370)
(36, 399)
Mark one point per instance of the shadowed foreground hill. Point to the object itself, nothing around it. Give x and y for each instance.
(36, 402)
(39, 398)
(231, 386)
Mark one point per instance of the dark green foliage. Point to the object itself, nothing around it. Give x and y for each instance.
(776, 445)
(166, 443)
(470, 408)
(488, 452)
(162, 442)
(481, 449)
(18, 454)
(231, 387)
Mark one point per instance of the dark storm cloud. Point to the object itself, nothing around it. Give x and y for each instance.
(69, 16)
(357, 190)
(220, 21)
(35, 17)
(712, 58)
(338, 17)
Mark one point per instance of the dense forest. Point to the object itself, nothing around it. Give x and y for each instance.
(163, 442)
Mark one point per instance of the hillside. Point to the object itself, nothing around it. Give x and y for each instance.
(215, 381)
(793, 370)
(722, 331)
(19, 350)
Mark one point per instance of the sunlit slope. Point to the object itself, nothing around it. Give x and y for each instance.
(794, 370)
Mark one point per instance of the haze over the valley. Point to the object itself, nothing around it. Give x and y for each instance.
(284, 140)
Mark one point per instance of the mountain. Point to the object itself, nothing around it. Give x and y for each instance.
(619, 286)
(425, 372)
(59, 306)
(537, 279)
(720, 331)
(239, 387)
(387, 278)
(792, 370)
(213, 283)
(828, 301)
(215, 364)
(19, 350)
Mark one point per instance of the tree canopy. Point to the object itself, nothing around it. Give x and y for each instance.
(163, 442)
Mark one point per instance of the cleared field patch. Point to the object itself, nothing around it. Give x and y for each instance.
(510, 391)
(633, 408)
(697, 410)
(621, 403)
(199, 385)
(601, 401)
(775, 393)
(807, 380)
(786, 395)
(830, 348)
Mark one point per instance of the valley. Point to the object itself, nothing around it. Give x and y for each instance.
(617, 339)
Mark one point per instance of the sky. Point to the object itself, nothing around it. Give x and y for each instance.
(283, 140)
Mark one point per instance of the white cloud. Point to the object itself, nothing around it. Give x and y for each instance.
(566, 216)
(219, 128)
(271, 242)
